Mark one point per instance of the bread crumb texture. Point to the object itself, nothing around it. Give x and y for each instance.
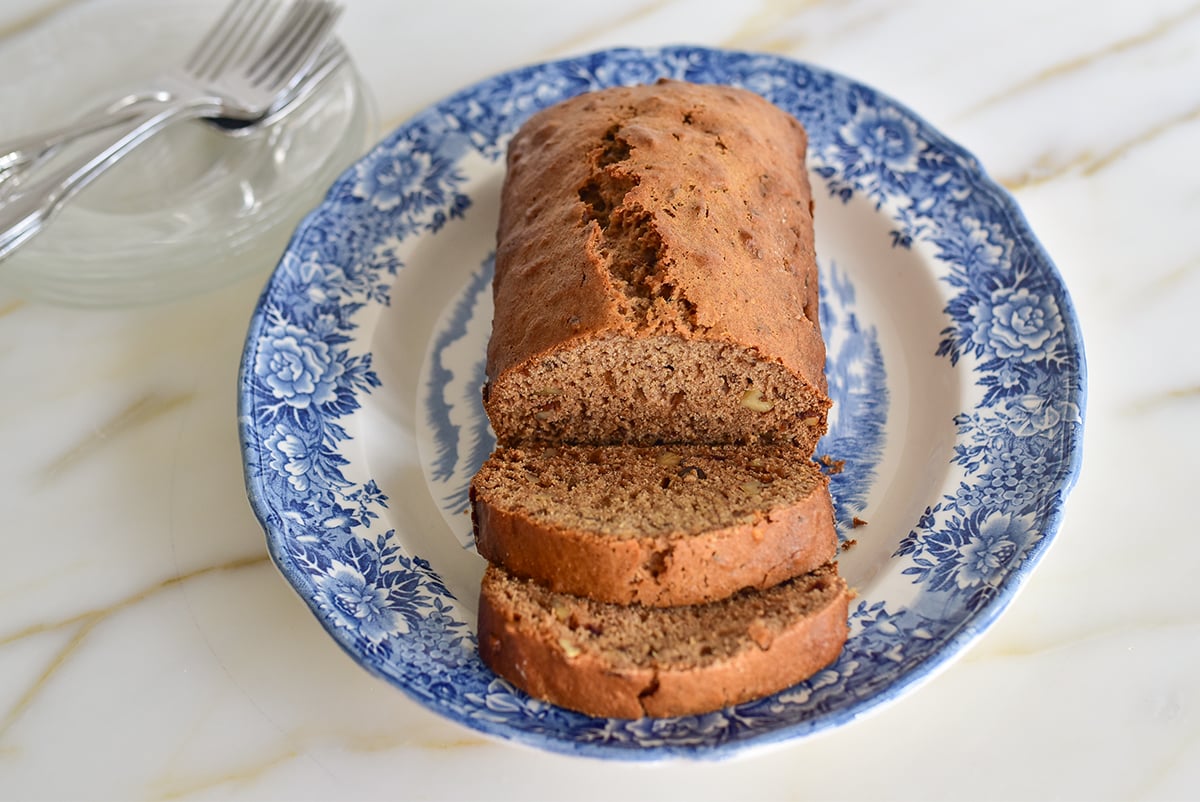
(656, 274)
(629, 660)
(629, 492)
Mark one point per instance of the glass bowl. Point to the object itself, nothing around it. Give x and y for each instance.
(195, 207)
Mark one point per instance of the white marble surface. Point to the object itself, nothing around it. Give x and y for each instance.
(149, 649)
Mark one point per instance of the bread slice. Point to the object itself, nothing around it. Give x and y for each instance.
(656, 277)
(659, 542)
(658, 526)
(629, 661)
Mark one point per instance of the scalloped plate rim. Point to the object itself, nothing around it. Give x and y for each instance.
(953, 647)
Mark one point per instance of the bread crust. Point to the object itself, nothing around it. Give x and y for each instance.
(713, 180)
(656, 284)
(515, 648)
(800, 651)
(542, 669)
(660, 571)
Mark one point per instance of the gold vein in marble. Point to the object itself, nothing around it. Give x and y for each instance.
(1042, 170)
(1022, 648)
(1096, 165)
(755, 32)
(386, 743)
(140, 412)
(1173, 276)
(12, 306)
(89, 620)
(1085, 60)
(1089, 163)
(31, 693)
(457, 743)
(616, 23)
(135, 598)
(1164, 283)
(583, 41)
(1155, 777)
(1165, 397)
(36, 18)
(176, 789)
(578, 41)
(169, 789)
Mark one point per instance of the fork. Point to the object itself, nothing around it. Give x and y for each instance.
(241, 68)
(19, 157)
(220, 39)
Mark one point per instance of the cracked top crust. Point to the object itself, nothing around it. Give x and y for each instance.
(673, 212)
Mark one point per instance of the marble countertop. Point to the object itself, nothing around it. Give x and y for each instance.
(150, 650)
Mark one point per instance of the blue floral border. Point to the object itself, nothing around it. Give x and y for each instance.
(1009, 322)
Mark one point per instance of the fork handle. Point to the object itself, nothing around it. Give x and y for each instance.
(28, 152)
(26, 211)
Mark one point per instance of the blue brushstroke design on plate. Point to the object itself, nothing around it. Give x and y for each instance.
(459, 453)
(1007, 333)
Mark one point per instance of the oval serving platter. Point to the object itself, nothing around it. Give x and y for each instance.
(955, 364)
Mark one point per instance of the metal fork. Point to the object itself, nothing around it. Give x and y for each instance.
(219, 39)
(239, 71)
(20, 157)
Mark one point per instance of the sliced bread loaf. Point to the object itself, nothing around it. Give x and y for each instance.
(628, 661)
(658, 526)
(659, 542)
(656, 279)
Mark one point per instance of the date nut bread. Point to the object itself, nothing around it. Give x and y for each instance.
(659, 542)
(656, 280)
(628, 661)
(659, 526)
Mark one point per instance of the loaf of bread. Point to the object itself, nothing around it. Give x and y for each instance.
(655, 525)
(655, 274)
(659, 540)
(628, 661)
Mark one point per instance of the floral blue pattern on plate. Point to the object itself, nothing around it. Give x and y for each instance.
(955, 363)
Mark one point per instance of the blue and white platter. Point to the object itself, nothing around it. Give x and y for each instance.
(955, 363)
